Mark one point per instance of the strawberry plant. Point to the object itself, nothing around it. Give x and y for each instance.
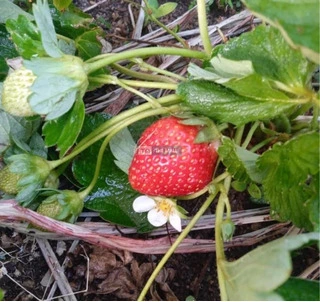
(246, 117)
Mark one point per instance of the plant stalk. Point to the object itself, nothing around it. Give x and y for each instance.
(203, 26)
(107, 59)
(171, 250)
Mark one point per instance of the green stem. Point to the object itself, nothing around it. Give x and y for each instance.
(115, 127)
(250, 134)
(167, 29)
(262, 144)
(203, 26)
(168, 100)
(105, 59)
(171, 250)
(315, 118)
(238, 135)
(220, 256)
(142, 76)
(107, 79)
(152, 68)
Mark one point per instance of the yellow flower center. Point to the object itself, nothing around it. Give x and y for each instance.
(164, 205)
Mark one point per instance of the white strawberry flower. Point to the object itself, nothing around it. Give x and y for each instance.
(160, 210)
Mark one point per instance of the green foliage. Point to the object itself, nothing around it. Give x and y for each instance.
(7, 51)
(112, 195)
(123, 147)
(20, 135)
(299, 24)
(257, 275)
(295, 289)
(63, 132)
(289, 182)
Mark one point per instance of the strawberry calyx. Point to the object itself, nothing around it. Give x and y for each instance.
(31, 172)
(63, 205)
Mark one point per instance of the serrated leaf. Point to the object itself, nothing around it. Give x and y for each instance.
(297, 20)
(288, 178)
(9, 10)
(112, 195)
(240, 163)
(71, 22)
(45, 25)
(123, 147)
(256, 275)
(7, 51)
(64, 131)
(222, 70)
(165, 9)
(295, 289)
(26, 37)
(224, 105)
(61, 4)
(15, 131)
(271, 56)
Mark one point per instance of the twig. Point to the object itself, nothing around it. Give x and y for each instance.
(10, 210)
(56, 269)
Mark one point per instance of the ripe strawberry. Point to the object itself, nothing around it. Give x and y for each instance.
(167, 162)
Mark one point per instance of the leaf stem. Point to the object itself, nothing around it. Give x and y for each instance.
(147, 8)
(142, 75)
(250, 134)
(108, 79)
(107, 59)
(203, 26)
(238, 135)
(164, 72)
(176, 243)
(168, 100)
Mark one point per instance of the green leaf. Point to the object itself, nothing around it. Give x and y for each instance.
(17, 132)
(64, 131)
(165, 9)
(88, 45)
(240, 163)
(26, 37)
(257, 275)
(123, 147)
(112, 195)
(224, 105)
(297, 20)
(295, 289)
(61, 4)
(288, 182)
(9, 10)
(271, 57)
(222, 70)
(71, 22)
(7, 51)
(45, 25)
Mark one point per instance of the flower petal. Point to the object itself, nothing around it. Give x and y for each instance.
(157, 218)
(143, 204)
(175, 221)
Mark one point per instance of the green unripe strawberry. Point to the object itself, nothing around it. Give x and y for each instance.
(9, 181)
(64, 206)
(16, 91)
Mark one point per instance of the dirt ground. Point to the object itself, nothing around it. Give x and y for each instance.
(98, 274)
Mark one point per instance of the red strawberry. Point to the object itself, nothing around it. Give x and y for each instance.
(167, 162)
